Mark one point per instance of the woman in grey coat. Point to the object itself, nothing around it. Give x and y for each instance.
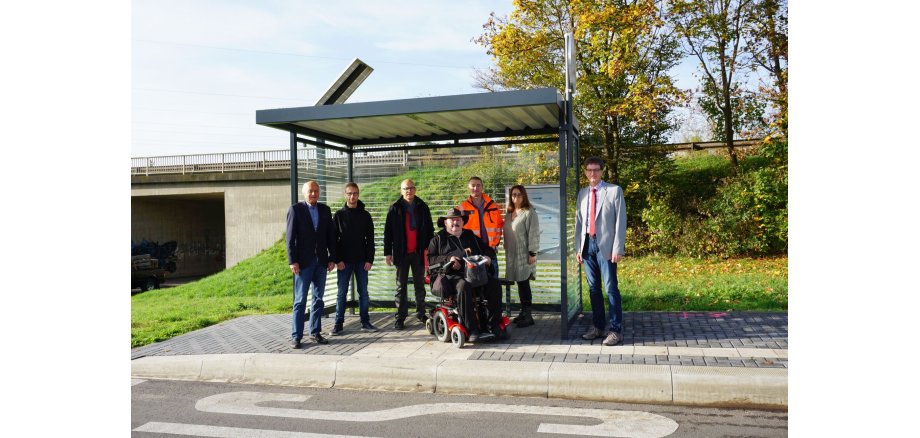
(522, 241)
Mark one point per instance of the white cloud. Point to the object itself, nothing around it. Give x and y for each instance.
(216, 23)
(194, 61)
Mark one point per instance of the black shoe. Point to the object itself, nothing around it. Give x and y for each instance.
(399, 325)
(525, 321)
(319, 339)
(337, 330)
(422, 317)
(474, 336)
(295, 343)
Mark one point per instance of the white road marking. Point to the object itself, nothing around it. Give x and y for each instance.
(136, 381)
(613, 423)
(228, 432)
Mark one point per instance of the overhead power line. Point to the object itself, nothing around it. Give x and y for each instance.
(250, 126)
(227, 134)
(164, 90)
(189, 111)
(267, 52)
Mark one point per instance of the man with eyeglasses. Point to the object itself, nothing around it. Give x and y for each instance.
(355, 250)
(406, 234)
(600, 238)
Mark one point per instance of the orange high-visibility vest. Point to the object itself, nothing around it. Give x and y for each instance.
(492, 216)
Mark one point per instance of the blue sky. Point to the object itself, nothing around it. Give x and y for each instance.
(201, 68)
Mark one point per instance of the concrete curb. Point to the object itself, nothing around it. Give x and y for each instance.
(387, 374)
(724, 386)
(612, 382)
(659, 384)
(493, 378)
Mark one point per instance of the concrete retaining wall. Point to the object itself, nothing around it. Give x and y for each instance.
(252, 213)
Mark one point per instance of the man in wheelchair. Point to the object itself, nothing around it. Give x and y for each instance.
(447, 248)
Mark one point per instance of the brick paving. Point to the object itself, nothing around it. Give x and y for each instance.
(733, 339)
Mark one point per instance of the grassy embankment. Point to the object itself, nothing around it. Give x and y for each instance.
(262, 285)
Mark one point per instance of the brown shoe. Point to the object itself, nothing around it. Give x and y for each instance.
(592, 334)
(613, 338)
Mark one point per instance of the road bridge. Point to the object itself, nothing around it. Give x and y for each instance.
(224, 208)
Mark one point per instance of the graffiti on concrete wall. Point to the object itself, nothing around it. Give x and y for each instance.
(204, 247)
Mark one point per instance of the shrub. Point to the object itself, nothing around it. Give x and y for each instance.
(701, 210)
(749, 214)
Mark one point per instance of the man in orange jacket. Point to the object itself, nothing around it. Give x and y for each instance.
(485, 218)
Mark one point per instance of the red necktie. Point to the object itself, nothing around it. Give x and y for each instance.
(591, 215)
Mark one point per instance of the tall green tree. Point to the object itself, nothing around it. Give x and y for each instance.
(624, 53)
(714, 31)
(768, 43)
(748, 109)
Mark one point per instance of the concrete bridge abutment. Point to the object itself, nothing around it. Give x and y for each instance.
(217, 219)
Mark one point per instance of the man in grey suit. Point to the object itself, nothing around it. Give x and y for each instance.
(600, 238)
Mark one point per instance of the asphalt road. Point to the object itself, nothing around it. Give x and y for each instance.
(172, 408)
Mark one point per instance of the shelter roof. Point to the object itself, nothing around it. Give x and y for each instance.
(465, 116)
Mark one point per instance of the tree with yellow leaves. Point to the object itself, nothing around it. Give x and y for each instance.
(624, 92)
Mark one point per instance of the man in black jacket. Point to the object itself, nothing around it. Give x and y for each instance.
(406, 234)
(310, 248)
(355, 250)
(447, 248)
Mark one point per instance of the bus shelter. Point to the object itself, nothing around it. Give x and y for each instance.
(440, 142)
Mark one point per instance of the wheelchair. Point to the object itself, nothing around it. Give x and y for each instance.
(446, 325)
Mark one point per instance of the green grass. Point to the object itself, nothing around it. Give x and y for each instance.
(262, 285)
(259, 285)
(684, 283)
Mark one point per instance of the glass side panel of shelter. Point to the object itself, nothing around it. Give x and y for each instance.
(573, 268)
(441, 176)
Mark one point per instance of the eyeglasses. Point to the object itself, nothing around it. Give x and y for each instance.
(592, 170)
(516, 195)
(351, 193)
(408, 188)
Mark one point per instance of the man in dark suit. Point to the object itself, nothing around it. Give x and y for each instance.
(310, 249)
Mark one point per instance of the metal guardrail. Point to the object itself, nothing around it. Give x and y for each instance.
(700, 145)
(280, 159)
(254, 161)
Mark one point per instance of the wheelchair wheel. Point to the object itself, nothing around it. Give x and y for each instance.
(429, 325)
(440, 327)
(456, 336)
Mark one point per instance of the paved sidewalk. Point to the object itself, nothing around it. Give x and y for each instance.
(701, 358)
(737, 339)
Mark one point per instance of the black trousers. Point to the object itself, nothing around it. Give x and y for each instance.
(491, 292)
(415, 262)
(525, 293)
